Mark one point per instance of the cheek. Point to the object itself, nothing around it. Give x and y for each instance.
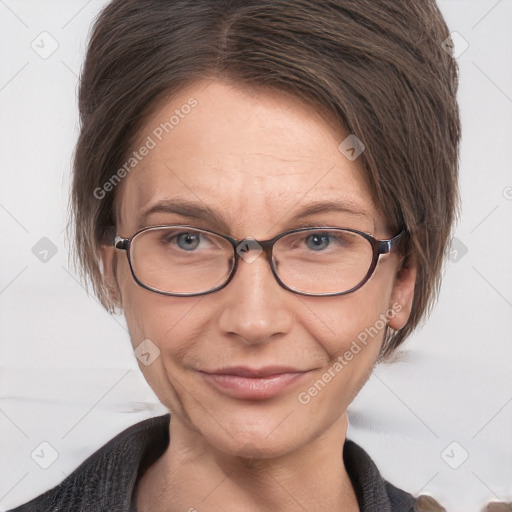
(156, 317)
(168, 321)
(357, 319)
(170, 324)
(350, 329)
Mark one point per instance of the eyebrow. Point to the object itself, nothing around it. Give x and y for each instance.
(201, 211)
(186, 209)
(331, 206)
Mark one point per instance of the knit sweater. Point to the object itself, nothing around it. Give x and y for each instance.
(107, 480)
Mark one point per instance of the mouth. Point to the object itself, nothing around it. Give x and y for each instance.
(253, 383)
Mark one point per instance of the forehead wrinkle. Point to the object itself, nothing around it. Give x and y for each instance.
(302, 159)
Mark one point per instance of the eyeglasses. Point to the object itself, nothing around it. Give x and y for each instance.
(182, 260)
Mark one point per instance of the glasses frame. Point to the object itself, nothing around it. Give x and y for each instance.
(379, 247)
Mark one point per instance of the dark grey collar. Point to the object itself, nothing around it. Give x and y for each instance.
(107, 480)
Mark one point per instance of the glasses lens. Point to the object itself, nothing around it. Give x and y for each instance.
(181, 260)
(322, 261)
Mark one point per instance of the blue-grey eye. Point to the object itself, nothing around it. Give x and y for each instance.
(188, 241)
(318, 241)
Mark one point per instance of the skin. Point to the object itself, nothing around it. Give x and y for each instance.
(257, 158)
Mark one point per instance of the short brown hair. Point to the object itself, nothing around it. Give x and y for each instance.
(377, 67)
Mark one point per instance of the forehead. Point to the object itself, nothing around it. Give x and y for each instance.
(253, 157)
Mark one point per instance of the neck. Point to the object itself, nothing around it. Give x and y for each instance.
(191, 475)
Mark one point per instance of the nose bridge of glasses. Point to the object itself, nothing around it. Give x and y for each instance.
(249, 249)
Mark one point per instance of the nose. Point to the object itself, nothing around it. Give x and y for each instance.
(255, 308)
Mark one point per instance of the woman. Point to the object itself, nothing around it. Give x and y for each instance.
(266, 189)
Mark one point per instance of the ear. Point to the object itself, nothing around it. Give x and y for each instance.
(403, 293)
(108, 258)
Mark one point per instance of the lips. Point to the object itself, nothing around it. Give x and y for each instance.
(253, 383)
(244, 371)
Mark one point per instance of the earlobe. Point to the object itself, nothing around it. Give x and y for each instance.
(108, 262)
(403, 293)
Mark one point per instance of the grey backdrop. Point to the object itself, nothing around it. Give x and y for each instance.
(438, 421)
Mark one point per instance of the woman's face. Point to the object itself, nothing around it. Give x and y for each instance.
(258, 160)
